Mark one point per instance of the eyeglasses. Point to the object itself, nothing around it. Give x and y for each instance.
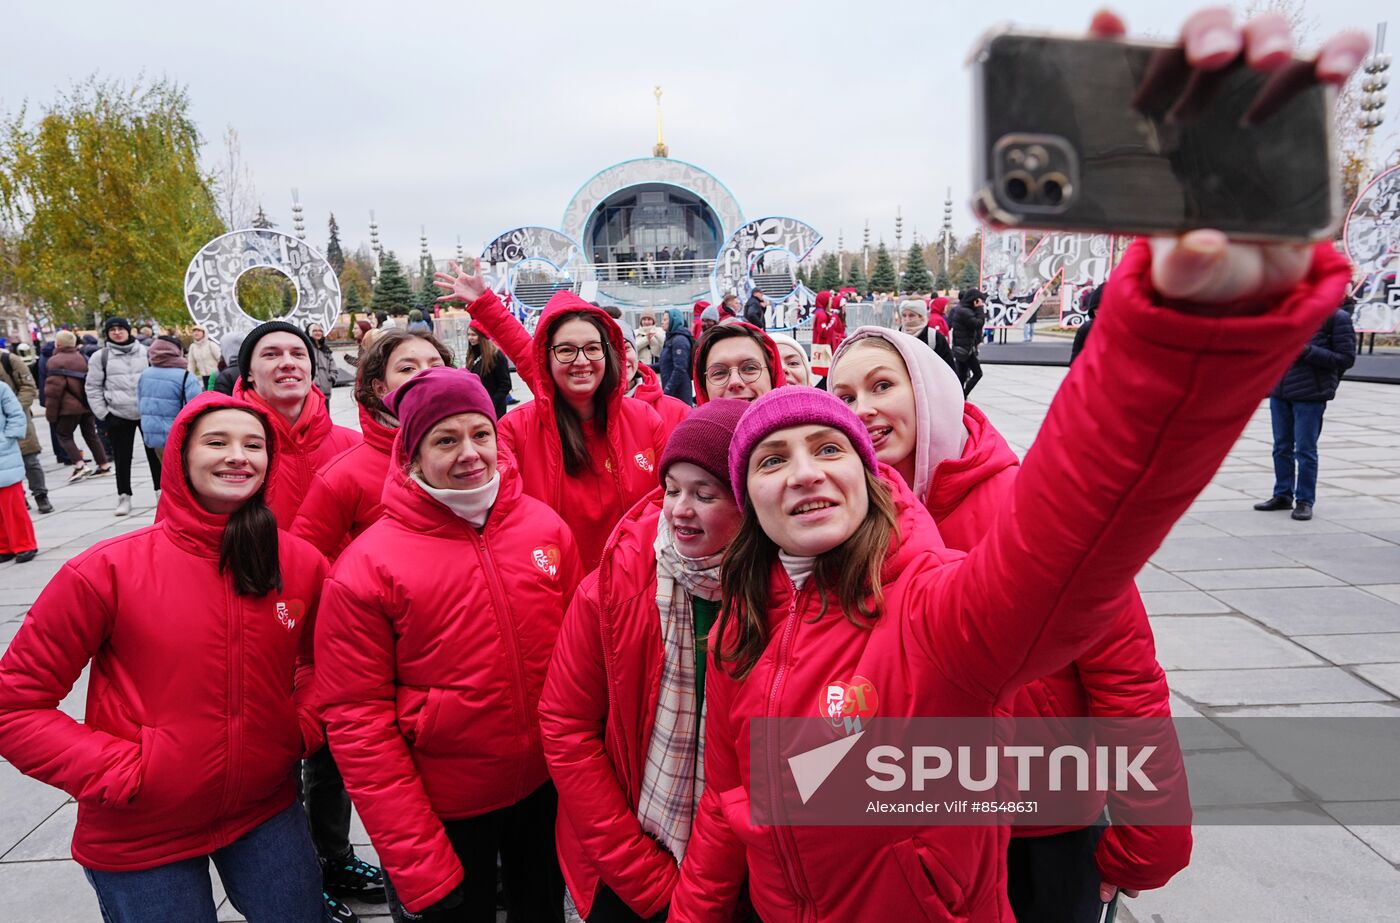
(566, 354)
(720, 374)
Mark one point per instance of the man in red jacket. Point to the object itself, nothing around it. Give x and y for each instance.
(278, 364)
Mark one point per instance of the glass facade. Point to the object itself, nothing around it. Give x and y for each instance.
(651, 223)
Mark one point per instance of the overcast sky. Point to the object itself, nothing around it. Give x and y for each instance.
(471, 118)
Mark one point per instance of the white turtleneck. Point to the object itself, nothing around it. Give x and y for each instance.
(473, 505)
(798, 568)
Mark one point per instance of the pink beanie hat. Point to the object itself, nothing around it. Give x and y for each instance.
(782, 408)
(430, 397)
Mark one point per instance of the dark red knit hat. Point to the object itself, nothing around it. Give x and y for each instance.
(703, 439)
(430, 397)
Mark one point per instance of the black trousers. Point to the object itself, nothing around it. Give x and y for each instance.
(123, 435)
(523, 835)
(609, 908)
(1054, 879)
(327, 805)
(969, 368)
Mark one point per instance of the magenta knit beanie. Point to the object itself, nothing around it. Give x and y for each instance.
(430, 397)
(703, 438)
(781, 408)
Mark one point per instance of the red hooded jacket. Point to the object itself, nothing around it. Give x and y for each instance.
(1117, 677)
(625, 462)
(344, 499)
(936, 320)
(1136, 432)
(304, 446)
(671, 410)
(198, 704)
(775, 362)
(432, 672)
(597, 712)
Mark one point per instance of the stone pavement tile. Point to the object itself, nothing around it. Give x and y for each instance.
(47, 892)
(53, 839)
(1235, 778)
(1375, 823)
(1315, 610)
(1211, 643)
(1272, 686)
(1349, 649)
(1281, 874)
(1306, 543)
(28, 578)
(1154, 579)
(1243, 523)
(1193, 530)
(1357, 566)
(1214, 554)
(1347, 509)
(1182, 602)
(74, 704)
(1198, 733)
(1216, 491)
(1377, 485)
(27, 804)
(1257, 578)
(1389, 709)
(1390, 591)
(1368, 453)
(1385, 675)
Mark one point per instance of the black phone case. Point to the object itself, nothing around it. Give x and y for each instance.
(1147, 173)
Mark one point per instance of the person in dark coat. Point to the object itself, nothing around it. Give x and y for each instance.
(675, 357)
(491, 366)
(756, 310)
(967, 318)
(1081, 336)
(229, 346)
(1297, 404)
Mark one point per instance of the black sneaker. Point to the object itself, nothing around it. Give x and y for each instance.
(336, 912)
(24, 557)
(43, 501)
(353, 877)
(1275, 503)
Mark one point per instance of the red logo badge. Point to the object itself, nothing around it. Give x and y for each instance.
(646, 461)
(848, 705)
(289, 613)
(547, 559)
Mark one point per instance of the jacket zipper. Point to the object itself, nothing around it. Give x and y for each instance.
(512, 650)
(785, 842)
(235, 703)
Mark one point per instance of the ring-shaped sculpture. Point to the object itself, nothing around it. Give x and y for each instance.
(732, 272)
(502, 256)
(211, 281)
(1372, 238)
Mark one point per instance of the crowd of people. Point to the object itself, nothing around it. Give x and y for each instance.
(528, 645)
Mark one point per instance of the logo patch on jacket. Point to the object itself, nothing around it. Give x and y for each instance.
(848, 705)
(646, 461)
(547, 559)
(289, 613)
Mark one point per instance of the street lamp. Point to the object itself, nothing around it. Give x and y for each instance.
(1373, 100)
(898, 247)
(947, 227)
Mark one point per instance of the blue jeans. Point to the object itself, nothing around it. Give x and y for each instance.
(270, 873)
(1297, 425)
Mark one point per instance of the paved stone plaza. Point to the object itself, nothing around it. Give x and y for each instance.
(1255, 614)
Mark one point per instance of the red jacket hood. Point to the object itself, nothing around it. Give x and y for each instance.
(188, 523)
(775, 362)
(377, 436)
(939, 305)
(405, 499)
(985, 455)
(569, 303)
(310, 428)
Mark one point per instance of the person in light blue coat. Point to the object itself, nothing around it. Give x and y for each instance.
(165, 386)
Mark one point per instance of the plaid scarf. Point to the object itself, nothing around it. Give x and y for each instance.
(674, 775)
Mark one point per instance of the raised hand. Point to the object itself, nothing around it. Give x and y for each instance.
(1207, 267)
(461, 285)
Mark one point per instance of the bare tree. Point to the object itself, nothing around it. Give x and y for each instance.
(237, 197)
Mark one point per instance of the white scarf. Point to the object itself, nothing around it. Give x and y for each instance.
(473, 505)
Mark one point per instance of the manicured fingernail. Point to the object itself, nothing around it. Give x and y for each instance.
(1216, 42)
(1340, 63)
(1269, 47)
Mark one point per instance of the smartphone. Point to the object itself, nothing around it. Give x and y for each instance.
(1060, 146)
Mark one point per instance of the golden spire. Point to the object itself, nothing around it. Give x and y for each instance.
(660, 150)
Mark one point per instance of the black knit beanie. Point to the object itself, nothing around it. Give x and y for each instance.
(111, 322)
(250, 342)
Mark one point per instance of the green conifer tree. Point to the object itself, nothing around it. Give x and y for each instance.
(334, 255)
(916, 277)
(882, 276)
(392, 292)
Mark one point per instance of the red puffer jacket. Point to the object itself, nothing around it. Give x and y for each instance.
(594, 501)
(303, 447)
(432, 672)
(597, 711)
(199, 702)
(1139, 427)
(1117, 677)
(671, 410)
(344, 499)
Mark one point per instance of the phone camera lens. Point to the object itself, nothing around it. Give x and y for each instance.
(1053, 189)
(1018, 189)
